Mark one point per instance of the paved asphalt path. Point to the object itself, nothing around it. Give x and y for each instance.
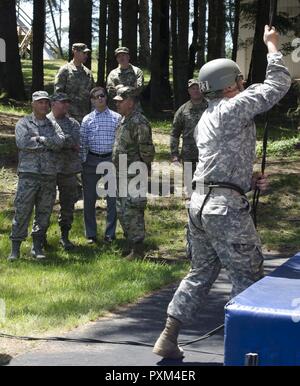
(142, 322)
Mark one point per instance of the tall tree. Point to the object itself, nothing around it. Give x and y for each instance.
(194, 44)
(258, 64)
(11, 77)
(159, 85)
(201, 33)
(129, 27)
(38, 33)
(102, 42)
(235, 34)
(80, 30)
(112, 34)
(216, 30)
(183, 51)
(144, 32)
(174, 34)
(51, 6)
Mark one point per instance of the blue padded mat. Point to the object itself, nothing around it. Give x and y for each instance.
(265, 319)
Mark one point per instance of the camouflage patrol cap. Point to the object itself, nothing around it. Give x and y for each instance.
(60, 97)
(122, 50)
(80, 47)
(38, 95)
(191, 82)
(125, 92)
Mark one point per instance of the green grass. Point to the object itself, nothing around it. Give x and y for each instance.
(161, 126)
(11, 109)
(70, 289)
(278, 213)
(284, 147)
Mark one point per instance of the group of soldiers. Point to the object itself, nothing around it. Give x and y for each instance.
(51, 155)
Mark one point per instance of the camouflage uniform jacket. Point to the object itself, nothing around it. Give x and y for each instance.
(134, 138)
(77, 83)
(132, 77)
(184, 124)
(68, 160)
(38, 158)
(226, 133)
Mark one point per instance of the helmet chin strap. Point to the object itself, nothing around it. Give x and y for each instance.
(233, 90)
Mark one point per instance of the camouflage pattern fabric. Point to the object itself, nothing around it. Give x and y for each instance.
(229, 240)
(132, 77)
(226, 133)
(76, 82)
(34, 157)
(131, 216)
(37, 192)
(68, 196)
(68, 159)
(184, 124)
(225, 234)
(134, 138)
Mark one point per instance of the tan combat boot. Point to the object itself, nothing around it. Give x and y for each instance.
(166, 345)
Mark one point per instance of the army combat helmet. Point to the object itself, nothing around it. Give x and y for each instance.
(218, 74)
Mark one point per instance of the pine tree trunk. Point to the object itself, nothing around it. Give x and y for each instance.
(193, 46)
(216, 30)
(235, 39)
(258, 64)
(129, 27)
(221, 30)
(102, 42)
(80, 30)
(183, 50)
(201, 33)
(112, 34)
(174, 34)
(160, 89)
(11, 77)
(38, 32)
(144, 31)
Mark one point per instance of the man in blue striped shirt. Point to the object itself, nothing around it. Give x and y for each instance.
(97, 136)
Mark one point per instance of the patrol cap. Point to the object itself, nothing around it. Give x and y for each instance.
(60, 97)
(122, 50)
(37, 95)
(191, 82)
(125, 92)
(218, 74)
(80, 47)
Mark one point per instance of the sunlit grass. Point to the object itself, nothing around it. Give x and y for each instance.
(70, 289)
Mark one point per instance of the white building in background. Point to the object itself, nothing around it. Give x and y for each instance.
(292, 60)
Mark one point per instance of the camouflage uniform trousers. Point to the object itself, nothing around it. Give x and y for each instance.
(131, 216)
(188, 191)
(68, 195)
(227, 240)
(34, 191)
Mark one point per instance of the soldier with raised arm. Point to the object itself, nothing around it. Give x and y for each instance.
(222, 232)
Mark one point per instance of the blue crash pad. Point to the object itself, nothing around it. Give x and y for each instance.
(265, 319)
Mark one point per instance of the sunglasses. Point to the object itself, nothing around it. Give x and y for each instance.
(99, 96)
